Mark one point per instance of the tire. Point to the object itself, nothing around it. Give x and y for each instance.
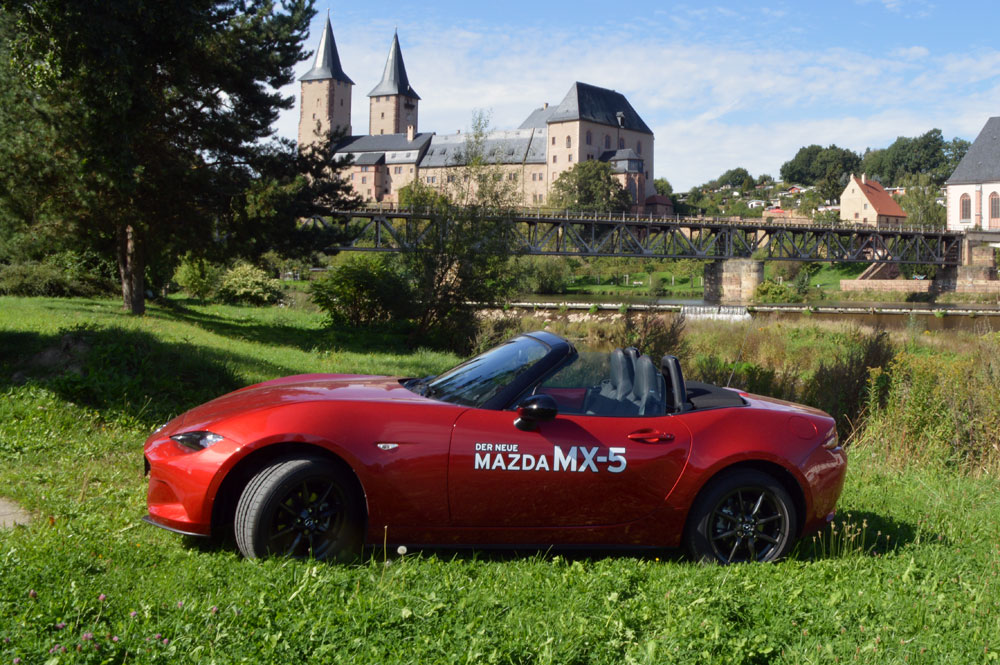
(743, 515)
(300, 508)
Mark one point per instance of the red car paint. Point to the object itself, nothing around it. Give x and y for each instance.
(436, 478)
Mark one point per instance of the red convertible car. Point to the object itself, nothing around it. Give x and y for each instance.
(531, 443)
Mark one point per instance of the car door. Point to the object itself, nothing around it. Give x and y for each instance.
(575, 470)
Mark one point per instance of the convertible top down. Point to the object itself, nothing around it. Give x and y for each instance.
(532, 443)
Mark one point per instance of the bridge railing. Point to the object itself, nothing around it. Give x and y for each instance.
(551, 215)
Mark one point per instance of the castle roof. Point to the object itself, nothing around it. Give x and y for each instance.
(397, 145)
(327, 63)
(394, 80)
(600, 105)
(982, 162)
(879, 198)
(539, 118)
(515, 146)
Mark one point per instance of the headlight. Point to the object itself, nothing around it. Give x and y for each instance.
(832, 440)
(197, 440)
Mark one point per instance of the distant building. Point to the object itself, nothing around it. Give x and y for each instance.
(864, 201)
(590, 123)
(973, 190)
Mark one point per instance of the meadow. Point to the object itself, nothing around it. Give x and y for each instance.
(908, 572)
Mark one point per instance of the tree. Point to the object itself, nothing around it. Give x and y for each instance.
(166, 107)
(589, 186)
(463, 253)
(920, 202)
(814, 165)
(928, 154)
(738, 178)
(663, 187)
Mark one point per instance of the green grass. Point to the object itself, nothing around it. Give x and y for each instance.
(681, 288)
(911, 578)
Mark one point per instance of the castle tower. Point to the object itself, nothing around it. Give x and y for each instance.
(393, 102)
(325, 101)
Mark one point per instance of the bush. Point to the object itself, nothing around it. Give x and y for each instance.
(656, 284)
(197, 277)
(34, 279)
(249, 285)
(769, 291)
(363, 290)
(549, 274)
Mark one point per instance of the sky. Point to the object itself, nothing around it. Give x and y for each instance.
(721, 84)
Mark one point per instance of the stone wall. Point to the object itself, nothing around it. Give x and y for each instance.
(733, 281)
(888, 285)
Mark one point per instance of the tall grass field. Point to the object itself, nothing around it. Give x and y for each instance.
(907, 574)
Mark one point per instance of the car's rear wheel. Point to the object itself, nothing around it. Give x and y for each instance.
(300, 508)
(744, 515)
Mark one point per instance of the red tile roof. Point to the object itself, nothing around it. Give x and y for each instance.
(879, 198)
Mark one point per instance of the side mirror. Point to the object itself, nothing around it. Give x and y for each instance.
(533, 410)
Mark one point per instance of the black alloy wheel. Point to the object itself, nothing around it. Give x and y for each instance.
(742, 516)
(300, 508)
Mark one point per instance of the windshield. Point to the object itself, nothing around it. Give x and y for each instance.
(476, 381)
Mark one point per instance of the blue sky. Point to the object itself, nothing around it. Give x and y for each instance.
(722, 84)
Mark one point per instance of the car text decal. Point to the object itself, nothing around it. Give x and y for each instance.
(506, 457)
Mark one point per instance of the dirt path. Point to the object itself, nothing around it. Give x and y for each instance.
(11, 514)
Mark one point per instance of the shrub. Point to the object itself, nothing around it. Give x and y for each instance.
(363, 290)
(34, 279)
(66, 273)
(769, 291)
(198, 277)
(656, 285)
(245, 284)
(549, 274)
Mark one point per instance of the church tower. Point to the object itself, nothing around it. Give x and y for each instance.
(325, 102)
(393, 102)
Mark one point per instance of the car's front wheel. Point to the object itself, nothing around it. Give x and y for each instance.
(743, 515)
(305, 507)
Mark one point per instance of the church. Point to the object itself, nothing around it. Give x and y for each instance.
(590, 123)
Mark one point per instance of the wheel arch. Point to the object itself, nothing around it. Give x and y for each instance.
(788, 481)
(237, 478)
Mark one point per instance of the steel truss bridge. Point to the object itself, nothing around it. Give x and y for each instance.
(571, 234)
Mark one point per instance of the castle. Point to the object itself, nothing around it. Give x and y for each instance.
(590, 123)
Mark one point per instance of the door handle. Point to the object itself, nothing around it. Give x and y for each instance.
(651, 436)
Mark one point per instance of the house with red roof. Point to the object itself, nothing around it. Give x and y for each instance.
(864, 201)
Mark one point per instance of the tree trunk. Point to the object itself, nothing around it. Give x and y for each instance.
(131, 268)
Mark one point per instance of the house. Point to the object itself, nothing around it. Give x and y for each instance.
(973, 190)
(864, 201)
(591, 123)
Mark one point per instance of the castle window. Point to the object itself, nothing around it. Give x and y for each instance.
(553, 159)
(607, 142)
(314, 116)
(994, 206)
(553, 140)
(383, 117)
(965, 205)
(638, 147)
(569, 142)
(570, 157)
(590, 137)
(621, 143)
(364, 180)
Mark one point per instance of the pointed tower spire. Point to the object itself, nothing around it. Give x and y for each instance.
(327, 63)
(394, 80)
(325, 97)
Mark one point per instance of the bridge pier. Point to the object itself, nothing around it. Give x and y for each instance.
(733, 281)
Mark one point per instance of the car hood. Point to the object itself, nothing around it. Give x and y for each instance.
(296, 389)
